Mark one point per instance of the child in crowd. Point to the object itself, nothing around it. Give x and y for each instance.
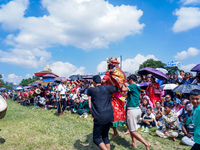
(170, 123)
(148, 120)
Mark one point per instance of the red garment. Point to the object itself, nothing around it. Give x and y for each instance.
(117, 104)
(150, 92)
(118, 109)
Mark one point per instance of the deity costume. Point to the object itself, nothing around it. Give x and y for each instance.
(117, 98)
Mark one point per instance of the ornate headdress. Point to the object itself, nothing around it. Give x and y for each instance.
(111, 60)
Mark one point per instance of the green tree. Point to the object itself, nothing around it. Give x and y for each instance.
(7, 85)
(152, 64)
(26, 82)
(156, 64)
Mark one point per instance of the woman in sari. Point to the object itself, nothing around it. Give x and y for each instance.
(153, 91)
(117, 99)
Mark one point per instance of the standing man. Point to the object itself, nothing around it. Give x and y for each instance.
(195, 100)
(62, 97)
(133, 110)
(102, 111)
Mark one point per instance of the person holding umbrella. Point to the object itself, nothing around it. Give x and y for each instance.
(153, 91)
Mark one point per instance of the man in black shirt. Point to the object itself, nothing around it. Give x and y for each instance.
(102, 111)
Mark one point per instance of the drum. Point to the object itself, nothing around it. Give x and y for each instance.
(3, 107)
(36, 92)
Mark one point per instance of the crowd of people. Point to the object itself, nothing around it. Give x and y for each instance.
(171, 113)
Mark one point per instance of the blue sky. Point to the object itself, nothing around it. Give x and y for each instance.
(76, 36)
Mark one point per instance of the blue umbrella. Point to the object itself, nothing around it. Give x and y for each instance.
(3, 88)
(173, 63)
(48, 80)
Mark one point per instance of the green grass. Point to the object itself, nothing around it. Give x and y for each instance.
(34, 128)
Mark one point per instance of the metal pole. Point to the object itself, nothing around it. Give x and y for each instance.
(121, 62)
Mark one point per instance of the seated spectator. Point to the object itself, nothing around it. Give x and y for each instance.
(148, 120)
(81, 107)
(168, 99)
(188, 128)
(170, 123)
(177, 105)
(145, 97)
(53, 104)
(187, 79)
(157, 113)
(74, 95)
(70, 103)
(144, 106)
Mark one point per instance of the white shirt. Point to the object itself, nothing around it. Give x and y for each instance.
(150, 116)
(74, 96)
(61, 89)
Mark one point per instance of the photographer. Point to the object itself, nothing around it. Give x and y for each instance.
(158, 111)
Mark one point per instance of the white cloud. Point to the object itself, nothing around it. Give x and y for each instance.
(187, 68)
(191, 52)
(15, 78)
(189, 2)
(25, 57)
(86, 24)
(11, 14)
(129, 65)
(102, 67)
(65, 69)
(82, 23)
(188, 18)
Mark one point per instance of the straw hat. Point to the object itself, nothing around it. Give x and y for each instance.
(85, 97)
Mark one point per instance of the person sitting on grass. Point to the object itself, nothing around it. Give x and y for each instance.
(157, 113)
(184, 116)
(81, 107)
(188, 128)
(170, 123)
(148, 120)
(70, 103)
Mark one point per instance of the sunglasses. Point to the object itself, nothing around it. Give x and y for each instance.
(167, 97)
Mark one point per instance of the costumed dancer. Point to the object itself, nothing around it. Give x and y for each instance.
(117, 98)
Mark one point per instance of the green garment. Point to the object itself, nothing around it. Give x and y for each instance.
(81, 107)
(196, 118)
(133, 95)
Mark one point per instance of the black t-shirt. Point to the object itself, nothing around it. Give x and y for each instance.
(102, 110)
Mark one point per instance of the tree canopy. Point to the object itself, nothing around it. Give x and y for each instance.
(156, 64)
(7, 85)
(25, 82)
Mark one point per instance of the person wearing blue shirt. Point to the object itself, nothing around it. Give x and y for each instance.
(195, 100)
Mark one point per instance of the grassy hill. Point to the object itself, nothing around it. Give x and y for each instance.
(34, 128)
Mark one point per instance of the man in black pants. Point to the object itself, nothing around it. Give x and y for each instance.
(102, 112)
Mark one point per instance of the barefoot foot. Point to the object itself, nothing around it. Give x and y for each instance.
(114, 136)
(127, 132)
(148, 146)
(133, 145)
